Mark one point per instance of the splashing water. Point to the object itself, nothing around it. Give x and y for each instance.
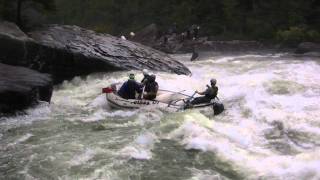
(270, 129)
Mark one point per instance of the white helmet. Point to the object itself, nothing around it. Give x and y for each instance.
(145, 72)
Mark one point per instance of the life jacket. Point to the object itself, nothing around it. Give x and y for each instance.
(151, 87)
(211, 92)
(128, 89)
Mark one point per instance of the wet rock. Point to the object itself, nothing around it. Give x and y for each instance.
(307, 47)
(22, 87)
(69, 51)
(93, 52)
(14, 45)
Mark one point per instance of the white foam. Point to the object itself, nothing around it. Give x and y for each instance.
(82, 158)
(204, 175)
(21, 139)
(233, 146)
(103, 114)
(136, 153)
(141, 148)
(248, 86)
(38, 113)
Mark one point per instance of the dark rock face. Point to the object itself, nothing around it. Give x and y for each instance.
(306, 47)
(14, 45)
(21, 87)
(68, 51)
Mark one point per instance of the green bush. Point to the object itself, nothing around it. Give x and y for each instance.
(313, 36)
(292, 36)
(102, 28)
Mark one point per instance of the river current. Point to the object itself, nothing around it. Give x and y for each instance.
(269, 130)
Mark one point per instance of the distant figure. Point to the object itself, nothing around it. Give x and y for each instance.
(194, 55)
(124, 38)
(129, 89)
(151, 88)
(174, 28)
(165, 39)
(196, 32)
(183, 37)
(188, 33)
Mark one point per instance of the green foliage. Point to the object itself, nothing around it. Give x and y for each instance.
(295, 35)
(47, 4)
(313, 36)
(251, 19)
(102, 28)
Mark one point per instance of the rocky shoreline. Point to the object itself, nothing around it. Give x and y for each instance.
(67, 51)
(177, 43)
(22, 87)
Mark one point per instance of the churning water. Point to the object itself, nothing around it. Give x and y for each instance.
(270, 129)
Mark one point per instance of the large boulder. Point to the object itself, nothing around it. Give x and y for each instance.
(21, 87)
(68, 51)
(89, 51)
(15, 45)
(306, 47)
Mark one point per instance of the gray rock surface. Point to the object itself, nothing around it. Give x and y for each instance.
(21, 87)
(69, 51)
(106, 51)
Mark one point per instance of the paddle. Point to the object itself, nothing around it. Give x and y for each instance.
(191, 96)
(188, 100)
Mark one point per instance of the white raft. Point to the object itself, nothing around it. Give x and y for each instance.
(166, 100)
(163, 100)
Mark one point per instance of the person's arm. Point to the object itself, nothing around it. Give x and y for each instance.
(138, 87)
(201, 93)
(216, 89)
(144, 80)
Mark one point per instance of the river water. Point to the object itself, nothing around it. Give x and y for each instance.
(270, 129)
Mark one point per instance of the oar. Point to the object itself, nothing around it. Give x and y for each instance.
(188, 100)
(180, 92)
(191, 96)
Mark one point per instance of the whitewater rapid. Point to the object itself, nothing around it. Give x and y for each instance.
(269, 130)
